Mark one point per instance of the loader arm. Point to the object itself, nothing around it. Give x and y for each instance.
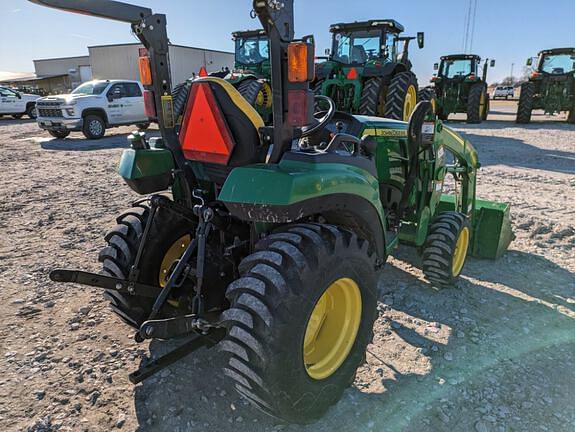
(109, 9)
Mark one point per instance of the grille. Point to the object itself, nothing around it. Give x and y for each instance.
(50, 112)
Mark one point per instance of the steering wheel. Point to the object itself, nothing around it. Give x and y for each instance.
(321, 122)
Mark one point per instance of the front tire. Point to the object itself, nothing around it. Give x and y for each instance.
(446, 247)
(292, 287)
(31, 111)
(525, 105)
(428, 94)
(94, 127)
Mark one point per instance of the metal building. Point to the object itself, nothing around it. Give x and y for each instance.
(60, 75)
(121, 61)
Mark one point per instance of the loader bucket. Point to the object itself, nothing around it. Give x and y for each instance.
(491, 226)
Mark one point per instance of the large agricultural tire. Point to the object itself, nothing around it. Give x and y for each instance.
(168, 233)
(401, 96)
(525, 105)
(249, 89)
(487, 107)
(372, 101)
(279, 359)
(476, 103)
(428, 94)
(319, 106)
(94, 127)
(445, 249)
(180, 97)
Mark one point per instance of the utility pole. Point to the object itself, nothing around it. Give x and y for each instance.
(512, 66)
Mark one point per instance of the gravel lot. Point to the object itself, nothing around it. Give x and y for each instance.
(497, 353)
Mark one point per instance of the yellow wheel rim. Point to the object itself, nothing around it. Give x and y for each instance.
(264, 97)
(460, 252)
(433, 105)
(174, 253)
(409, 102)
(332, 328)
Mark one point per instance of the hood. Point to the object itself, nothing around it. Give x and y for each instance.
(66, 98)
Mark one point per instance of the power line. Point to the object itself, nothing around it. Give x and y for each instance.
(469, 26)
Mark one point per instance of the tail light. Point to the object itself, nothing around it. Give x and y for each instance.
(535, 74)
(471, 77)
(144, 67)
(300, 102)
(149, 104)
(300, 62)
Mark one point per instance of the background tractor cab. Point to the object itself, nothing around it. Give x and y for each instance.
(551, 86)
(460, 86)
(368, 71)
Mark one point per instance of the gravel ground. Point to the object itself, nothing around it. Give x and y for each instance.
(496, 353)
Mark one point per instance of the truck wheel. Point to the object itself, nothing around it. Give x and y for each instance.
(445, 249)
(428, 94)
(525, 105)
(476, 103)
(94, 127)
(401, 96)
(166, 243)
(300, 319)
(59, 133)
(31, 111)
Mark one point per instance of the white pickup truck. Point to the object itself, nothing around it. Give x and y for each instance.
(17, 104)
(92, 108)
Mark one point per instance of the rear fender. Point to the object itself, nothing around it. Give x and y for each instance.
(293, 190)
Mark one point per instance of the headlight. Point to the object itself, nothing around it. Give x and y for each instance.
(72, 103)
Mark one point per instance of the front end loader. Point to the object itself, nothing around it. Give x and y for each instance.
(551, 87)
(268, 240)
(365, 72)
(459, 88)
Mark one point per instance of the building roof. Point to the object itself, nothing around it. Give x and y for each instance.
(63, 58)
(171, 44)
(33, 78)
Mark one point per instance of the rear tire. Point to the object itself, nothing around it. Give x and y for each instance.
(272, 305)
(487, 107)
(372, 102)
(571, 118)
(446, 248)
(525, 105)
(401, 96)
(476, 103)
(94, 127)
(180, 97)
(59, 134)
(119, 255)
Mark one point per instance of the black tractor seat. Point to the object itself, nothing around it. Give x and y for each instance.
(236, 120)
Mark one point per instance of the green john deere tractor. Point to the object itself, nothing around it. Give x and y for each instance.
(459, 88)
(268, 240)
(252, 70)
(365, 72)
(551, 87)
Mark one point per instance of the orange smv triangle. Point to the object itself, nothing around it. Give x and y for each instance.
(205, 135)
(203, 72)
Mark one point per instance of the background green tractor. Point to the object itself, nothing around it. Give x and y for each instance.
(268, 240)
(251, 74)
(459, 88)
(551, 87)
(365, 72)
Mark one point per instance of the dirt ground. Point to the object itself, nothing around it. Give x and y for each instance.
(496, 353)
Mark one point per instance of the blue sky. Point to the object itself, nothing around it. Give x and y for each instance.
(507, 30)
